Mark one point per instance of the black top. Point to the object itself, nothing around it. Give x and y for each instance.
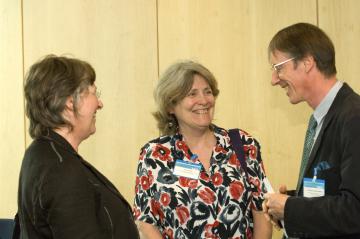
(63, 196)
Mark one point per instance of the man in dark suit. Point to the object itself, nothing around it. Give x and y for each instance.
(326, 203)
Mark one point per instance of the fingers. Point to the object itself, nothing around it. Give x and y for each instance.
(267, 217)
(282, 189)
(264, 206)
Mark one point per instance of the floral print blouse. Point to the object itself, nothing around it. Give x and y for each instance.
(216, 205)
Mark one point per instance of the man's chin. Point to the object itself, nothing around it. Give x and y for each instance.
(294, 101)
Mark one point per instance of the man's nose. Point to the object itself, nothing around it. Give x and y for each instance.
(275, 78)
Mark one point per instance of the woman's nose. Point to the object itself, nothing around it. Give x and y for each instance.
(202, 99)
(100, 104)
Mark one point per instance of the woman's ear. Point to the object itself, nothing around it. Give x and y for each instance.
(68, 112)
(69, 104)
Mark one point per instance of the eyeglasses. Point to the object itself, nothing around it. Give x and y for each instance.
(97, 93)
(278, 66)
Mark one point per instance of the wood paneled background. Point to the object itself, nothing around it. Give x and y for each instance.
(130, 42)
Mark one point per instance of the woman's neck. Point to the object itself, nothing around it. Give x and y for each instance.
(201, 144)
(197, 140)
(67, 134)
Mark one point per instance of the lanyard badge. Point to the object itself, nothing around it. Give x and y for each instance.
(187, 169)
(314, 187)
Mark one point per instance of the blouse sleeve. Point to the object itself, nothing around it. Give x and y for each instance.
(145, 207)
(256, 172)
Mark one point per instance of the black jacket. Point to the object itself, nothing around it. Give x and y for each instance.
(337, 214)
(63, 196)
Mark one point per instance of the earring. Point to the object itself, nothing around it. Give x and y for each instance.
(170, 124)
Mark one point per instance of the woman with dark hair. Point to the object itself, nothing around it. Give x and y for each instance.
(60, 194)
(190, 183)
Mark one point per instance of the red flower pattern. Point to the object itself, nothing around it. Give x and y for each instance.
(156, 209)
(256, 183)
(217, 179)
(234, 160)
(137, 184)
(208, 230)
(219, 149)
(236, 189)
(168, 233)
(252, 151)
(146, 181)
(183, 146)
(207, 195)
(162, 153)
(165, 199)
(204, 176)
(188, 182)
(142, 154)
(183, 214)
(136, 212)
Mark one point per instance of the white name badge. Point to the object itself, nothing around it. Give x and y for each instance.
(187, 169)
(314, 187)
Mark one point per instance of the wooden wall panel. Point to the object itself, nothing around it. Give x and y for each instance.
(340, 20)
(119, 39)
(12, 142)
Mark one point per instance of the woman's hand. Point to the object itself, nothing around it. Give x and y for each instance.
(148, 231)
(262, 227)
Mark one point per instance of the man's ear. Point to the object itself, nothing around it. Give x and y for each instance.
(309, 63)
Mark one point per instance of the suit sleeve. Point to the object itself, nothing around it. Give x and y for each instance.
(332, 215)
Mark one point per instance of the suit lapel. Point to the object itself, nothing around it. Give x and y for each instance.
(344, 91)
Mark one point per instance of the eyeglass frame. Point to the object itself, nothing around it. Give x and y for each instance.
(97, 93)
(277, 67)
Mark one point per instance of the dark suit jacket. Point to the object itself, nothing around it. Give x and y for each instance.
(62, 196)
(337, 214)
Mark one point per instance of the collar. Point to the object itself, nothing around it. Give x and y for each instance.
(183, 152)
(324, 106)
(59, 140)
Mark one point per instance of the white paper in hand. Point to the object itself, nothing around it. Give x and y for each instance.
(271, 190)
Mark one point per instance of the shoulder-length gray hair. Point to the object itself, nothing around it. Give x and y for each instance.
(173, 86)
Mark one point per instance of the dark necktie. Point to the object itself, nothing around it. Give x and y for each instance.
(309, 141)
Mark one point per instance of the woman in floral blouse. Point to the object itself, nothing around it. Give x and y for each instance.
(189, 181)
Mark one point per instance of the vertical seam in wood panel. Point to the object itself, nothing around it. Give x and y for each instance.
(157, 44)
(23, 67)
(157, 39)
(317, 13)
